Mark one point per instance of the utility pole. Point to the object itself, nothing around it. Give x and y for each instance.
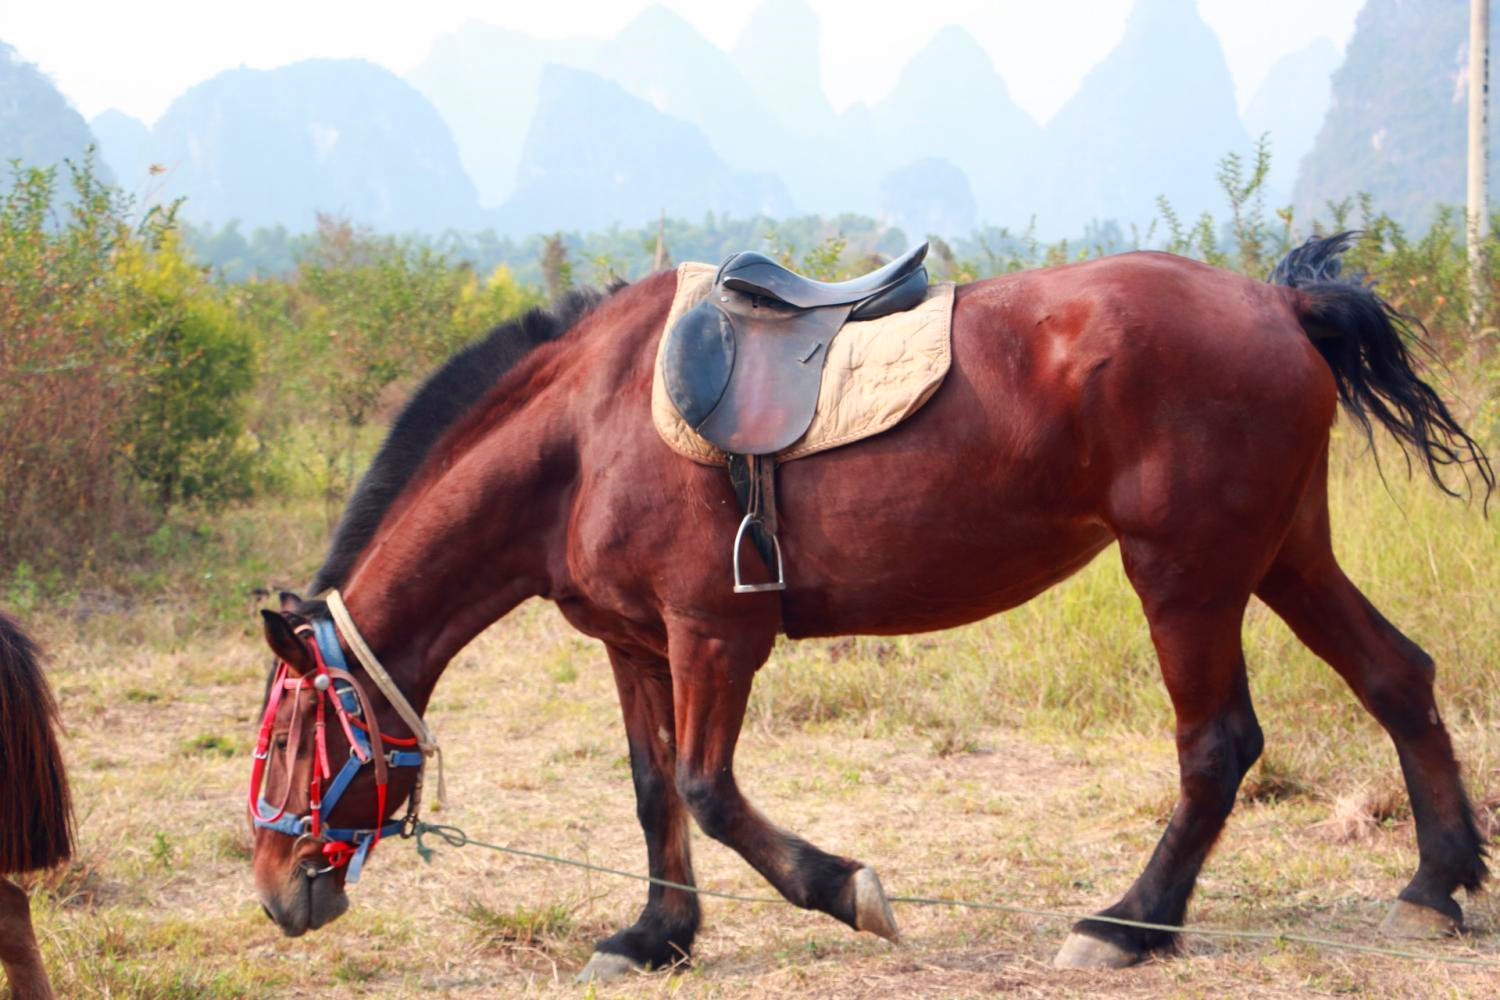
(662, 259)
(1479, 156)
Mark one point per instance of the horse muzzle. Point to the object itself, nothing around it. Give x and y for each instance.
(305, 902)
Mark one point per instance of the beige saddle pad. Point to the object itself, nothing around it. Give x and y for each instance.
(879, 372)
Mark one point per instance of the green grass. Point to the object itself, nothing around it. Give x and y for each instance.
(520, 926)
(212, 745)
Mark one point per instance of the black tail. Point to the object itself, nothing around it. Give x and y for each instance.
(1369, 346)
(36, 813)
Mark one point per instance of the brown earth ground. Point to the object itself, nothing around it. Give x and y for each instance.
(160, 903)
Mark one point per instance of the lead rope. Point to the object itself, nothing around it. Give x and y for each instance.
(426, 739)
(455, 837)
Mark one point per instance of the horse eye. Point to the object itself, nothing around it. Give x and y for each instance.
(281, 742)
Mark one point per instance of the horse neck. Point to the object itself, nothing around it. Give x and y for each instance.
(476, 535)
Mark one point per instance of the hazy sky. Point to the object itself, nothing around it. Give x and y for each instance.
(137, 57)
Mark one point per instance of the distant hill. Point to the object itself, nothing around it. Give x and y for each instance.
(777, 56)
(37, 125)
(1153, 118)
(500, 128)
(485, 82)
(929, 197)
(1290, 105)
(949, 103)
(274, 147)
(124, 144)
(1398, 122)
(595, 155)
(807, 144)
(762, 109)
(662, 59)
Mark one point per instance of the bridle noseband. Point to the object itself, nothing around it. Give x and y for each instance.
(331, 684)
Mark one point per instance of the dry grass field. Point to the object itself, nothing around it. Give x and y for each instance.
(1024, 760)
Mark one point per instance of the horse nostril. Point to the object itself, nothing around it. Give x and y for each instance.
(267, 911)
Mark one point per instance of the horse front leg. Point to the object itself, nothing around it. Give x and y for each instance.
(711, 677)
(19, 954)
(663, 934)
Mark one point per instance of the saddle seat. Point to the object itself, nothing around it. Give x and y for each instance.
(895, 287)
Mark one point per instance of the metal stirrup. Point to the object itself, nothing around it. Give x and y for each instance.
(740, 587)
(754, 515)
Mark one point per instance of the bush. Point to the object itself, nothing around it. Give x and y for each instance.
(361, 318)
(187, 440)
(122, 373)
(65, 372)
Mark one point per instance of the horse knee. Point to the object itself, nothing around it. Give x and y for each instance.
(712, 802)
(1250, 743)
(1217, 759)
(1398, 691)
(651, 791)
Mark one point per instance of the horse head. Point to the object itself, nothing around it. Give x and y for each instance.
(325, 779)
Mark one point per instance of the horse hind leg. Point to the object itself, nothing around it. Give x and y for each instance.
(19, 954)
(1393, 678)
(1195, 616)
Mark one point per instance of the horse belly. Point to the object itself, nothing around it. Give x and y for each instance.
(949, 589)
(939, 545)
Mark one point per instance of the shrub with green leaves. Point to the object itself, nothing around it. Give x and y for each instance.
(187, 440)
(359, 321)
(122, 372)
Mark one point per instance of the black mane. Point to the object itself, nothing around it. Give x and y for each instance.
(462, 381)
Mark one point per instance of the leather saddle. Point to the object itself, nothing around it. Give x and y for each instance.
(744, 367)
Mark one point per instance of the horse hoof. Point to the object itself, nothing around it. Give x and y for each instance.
(872, 911)
(1413, 920)
(604, 966)
(1080, 951)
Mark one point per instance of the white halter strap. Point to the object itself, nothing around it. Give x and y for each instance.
(426, 739)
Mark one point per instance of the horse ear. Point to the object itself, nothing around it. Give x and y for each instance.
(284, 642)
(290, 602)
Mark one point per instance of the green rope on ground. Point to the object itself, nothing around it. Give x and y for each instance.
(455, 837)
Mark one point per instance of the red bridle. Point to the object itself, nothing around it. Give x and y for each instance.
(351, 706)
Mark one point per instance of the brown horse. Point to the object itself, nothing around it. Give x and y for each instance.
(36, 819)
(1180, 410)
